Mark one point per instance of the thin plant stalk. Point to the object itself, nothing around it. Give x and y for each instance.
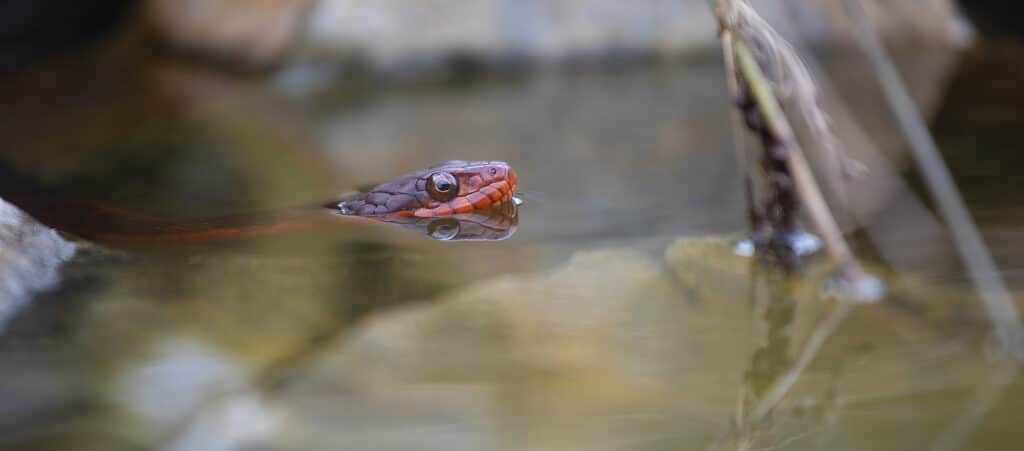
(981, 268)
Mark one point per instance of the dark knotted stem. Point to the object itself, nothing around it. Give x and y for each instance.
(787, 171)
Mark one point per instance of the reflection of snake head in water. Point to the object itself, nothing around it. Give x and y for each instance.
(453, 201)
(488, 224)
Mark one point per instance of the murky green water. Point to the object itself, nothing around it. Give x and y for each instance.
(594, 327)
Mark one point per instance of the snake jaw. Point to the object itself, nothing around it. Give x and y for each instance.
(481, 184)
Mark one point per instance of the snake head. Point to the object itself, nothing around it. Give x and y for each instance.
(450, 188)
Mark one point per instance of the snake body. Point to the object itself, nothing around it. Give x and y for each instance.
(455, 200)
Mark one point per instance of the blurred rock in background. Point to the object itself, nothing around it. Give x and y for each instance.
(394, 35)
(251, 33)
(390, 32)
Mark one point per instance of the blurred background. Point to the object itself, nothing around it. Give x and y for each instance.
(616, 317)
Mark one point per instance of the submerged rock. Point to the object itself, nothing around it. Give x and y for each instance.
(614, 349)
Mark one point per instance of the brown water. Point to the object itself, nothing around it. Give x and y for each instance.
(594, 327)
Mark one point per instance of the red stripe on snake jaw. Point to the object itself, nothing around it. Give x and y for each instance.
(479, 200)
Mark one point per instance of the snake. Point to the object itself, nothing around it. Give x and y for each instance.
(452, 201)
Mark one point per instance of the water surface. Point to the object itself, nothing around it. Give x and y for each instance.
(608, 321)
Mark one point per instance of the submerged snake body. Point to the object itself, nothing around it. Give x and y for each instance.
(471, 196)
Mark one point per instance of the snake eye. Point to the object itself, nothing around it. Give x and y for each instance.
(442, 186)
(443, 229)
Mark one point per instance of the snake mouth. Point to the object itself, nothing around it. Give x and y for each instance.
(450, 188)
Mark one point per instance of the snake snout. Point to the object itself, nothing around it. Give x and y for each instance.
(512, 179)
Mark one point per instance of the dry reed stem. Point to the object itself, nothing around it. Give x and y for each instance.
(981, 268)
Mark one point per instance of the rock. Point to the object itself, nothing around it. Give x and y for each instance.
(31, 256)
(903, 23)
(573, 356)
(612, 350)
(391, 34)
(245, 32)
